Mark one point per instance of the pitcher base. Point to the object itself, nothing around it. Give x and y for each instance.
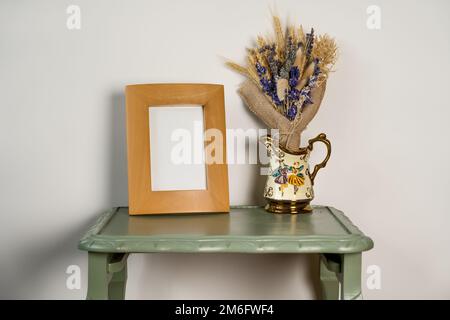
(283, 206)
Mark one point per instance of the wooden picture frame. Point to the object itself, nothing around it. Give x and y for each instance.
(142, 199)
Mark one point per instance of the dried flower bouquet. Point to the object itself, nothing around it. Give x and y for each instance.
(286, 79)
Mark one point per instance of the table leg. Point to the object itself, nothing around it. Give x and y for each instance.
(328, 279)
(118, 284)
(98, 277)
(351, 276)
(107, 275)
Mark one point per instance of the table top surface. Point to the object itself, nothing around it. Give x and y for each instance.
(245, 229)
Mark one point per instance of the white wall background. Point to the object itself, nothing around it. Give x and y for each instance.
(62, 138)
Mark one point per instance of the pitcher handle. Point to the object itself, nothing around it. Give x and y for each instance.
(320, 138)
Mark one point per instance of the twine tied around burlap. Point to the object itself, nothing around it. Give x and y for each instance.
(289, 131)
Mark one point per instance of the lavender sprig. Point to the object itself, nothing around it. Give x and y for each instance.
(309, 43)
(291, 51)
(305, 93)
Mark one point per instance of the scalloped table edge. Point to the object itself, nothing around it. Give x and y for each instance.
(356, 241)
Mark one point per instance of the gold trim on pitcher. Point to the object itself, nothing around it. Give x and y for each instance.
(320, 138)
(293, 207)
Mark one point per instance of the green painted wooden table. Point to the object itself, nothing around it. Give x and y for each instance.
(246, 229)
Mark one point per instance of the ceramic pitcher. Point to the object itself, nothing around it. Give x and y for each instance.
(289, 186)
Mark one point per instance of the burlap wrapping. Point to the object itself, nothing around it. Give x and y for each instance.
(290, 131)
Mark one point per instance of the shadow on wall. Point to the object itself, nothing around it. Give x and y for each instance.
(222, 276)
(40, 269)
(118, 185)
(45, 261)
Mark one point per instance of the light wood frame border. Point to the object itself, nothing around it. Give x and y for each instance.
(142, 200)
